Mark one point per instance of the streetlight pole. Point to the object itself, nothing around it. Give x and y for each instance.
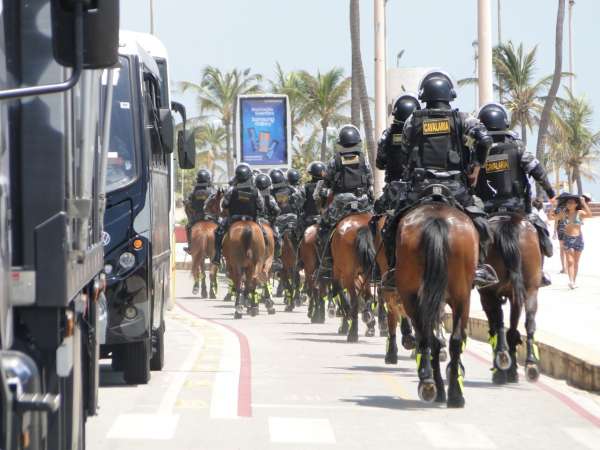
(500, 92)
(151, 16)
(380, 100)
(571, 78)
(484, 38)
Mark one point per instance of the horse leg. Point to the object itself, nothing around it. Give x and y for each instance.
(382, 316)
(331, 307)
(212, 294)
(196, 275)
(497, 337)
(533, 355)
(455, 368)
(436, 346)
(391, 352)
(514, 338)
(344, 308)
(354, 305)
(427, 389)
(203, 291)
(409, 341)
(239, 298)
(368, 316)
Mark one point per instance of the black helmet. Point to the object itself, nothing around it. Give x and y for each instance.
(262, 181)
(276, 176)
(437, 86)
(494, 116)
(203, 177)
(317, 169)
(293, 177)
(404, 106)
(349, 136)
(243, 172)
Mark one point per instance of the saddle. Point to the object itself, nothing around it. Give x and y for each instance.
(286, 222)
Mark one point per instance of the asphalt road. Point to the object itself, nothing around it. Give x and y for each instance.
(280, 382)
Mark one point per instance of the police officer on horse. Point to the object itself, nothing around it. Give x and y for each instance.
(242, 201)
(350, 180)
(315, 194)
(448, 148)
(503, 183)
(196, 202)
(271, 211)
(392, 156)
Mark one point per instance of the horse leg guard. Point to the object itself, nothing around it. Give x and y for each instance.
(514, 338)
(437, 375)
(408, 339)
(391, 352)
(455, 375)
(532, 360)
(427, 389)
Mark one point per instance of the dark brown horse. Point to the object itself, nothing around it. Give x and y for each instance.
(353, 256)
(245, 252)
(308, 259)
(288, 276)
(265, 276)
(517, 258)
(436, 256)
(203, 247)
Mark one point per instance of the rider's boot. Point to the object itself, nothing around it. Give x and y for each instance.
(188, 234)
(546, 246)
(485, 275)
(219, 234)
(324, 248)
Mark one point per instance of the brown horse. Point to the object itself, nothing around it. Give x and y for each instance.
(245, 252)
(517, 258)
(203, 247)
(353, 257)
(308, 259)
(436, 257)
(288, 275)
(266, 270)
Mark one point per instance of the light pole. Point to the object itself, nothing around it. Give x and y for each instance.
(484, 37)
(475, 46)
(571, 78)
(151, 16)
(380, 101)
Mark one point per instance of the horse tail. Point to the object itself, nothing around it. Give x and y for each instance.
(365, 250)
(247, 241)
(432, 293)
(506, 242)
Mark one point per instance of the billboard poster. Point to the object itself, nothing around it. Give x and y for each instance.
(263, 132)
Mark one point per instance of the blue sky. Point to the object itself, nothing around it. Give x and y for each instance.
(314, 35)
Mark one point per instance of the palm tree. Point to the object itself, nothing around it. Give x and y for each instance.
(326, 96)
(576, 146)
(218, 92)
(290, 85)
(211, 140)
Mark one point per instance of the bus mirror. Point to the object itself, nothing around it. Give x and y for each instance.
(100, 33)
(186, 149)
(167, 131)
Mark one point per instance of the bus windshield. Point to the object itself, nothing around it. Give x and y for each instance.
(121, 164)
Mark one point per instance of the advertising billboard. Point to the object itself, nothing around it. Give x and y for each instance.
(263, 135)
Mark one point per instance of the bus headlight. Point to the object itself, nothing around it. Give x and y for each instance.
(127, 260)
(108, 269)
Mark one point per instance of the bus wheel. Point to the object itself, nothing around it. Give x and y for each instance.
(136, 369)
(157, 361)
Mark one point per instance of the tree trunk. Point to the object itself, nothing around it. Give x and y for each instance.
(356, 63)
(524, 134)
(570, 178)
(545, 118)
(324, 158)
(362, 84)
(229, 151)
(577, 179)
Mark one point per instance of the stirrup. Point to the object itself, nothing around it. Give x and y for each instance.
(187, 250)
(485, 276)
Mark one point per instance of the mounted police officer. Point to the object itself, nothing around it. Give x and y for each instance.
(350, 179)
(315, 193)
(392, 156)
(448, 147)
(196, 202)
(241, 201)
(503, 184)
(271, 211)
(289, 200)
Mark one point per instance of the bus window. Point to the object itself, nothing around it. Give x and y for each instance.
(121, 164)
(164, 82)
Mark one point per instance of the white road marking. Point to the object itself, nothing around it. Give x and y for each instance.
(293, 430)
(224, 396)
(455, 435)
(588, 437)
(144, 426)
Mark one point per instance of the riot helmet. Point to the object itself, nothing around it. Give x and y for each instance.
(404, 106)
(262, 181)
(494, 116)
(316, 170)
(437, 86)
(293, 177)
(349, 136)
(276, 176)
(203, 177)
(243, 173)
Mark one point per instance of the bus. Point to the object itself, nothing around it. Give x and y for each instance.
(137, 237)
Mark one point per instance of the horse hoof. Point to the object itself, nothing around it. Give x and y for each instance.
(391, 358)
(204, 294)
(331, 312)
(288, 308)
(237, 315)
(409, 342)
(239, 309)
(212, 295)
(367, 317)
(370, 332)
(254, 311)
(383, 332)
(512, 376)
(227, 298)
(352, 338)
(502, 360)
(195, 291)
(499, 377)
(456, 402)
(443, 355)
(532, 372)
(427, 391)
(297, 301)
(271, 311)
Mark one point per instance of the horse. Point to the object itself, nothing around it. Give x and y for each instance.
(308, 259)
(266, 269)
(436, 257)
(245, 251)
(517, 259)
(288, 276)
(353, 255)
(203, 247)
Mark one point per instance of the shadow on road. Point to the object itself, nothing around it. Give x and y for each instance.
(110, 378)
(375, 369)
(388, 402)
(381, 356)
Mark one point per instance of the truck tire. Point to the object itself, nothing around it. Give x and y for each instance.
(157, 361)
(136, 367)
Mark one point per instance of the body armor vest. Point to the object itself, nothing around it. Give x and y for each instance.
(198, 199)
(351, 172)
(503, 173)
(437, 138)
(243, 202)
(310, 205)
(283, 196)
(396, 156)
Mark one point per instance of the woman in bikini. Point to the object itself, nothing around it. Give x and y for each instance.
(573, 214)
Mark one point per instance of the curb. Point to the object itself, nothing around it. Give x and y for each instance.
(553, 362)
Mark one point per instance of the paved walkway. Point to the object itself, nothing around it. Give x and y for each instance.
(569, 319)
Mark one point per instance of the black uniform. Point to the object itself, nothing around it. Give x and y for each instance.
(194, 207)
(392, 157)
(315, 195)
(270, 214)
(503, 182)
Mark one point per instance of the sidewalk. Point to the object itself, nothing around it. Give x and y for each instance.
(568, 320)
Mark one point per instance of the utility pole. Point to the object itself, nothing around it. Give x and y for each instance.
(571, 78)
(380, 84)
(500, 92)
(151, 16)
(484, 38)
